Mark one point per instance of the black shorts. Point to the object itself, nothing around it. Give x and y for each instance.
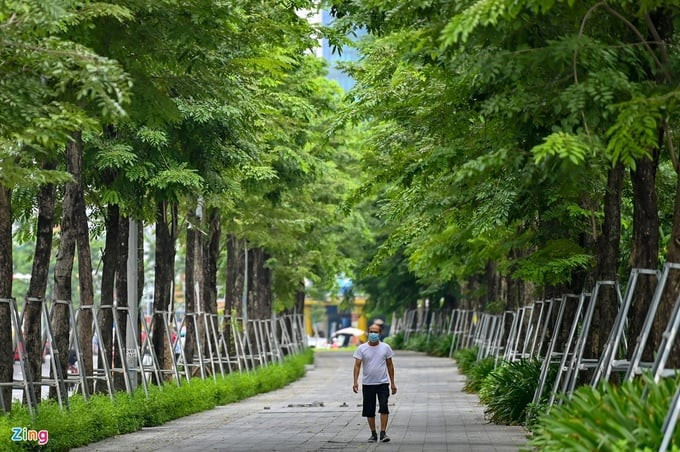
(370, 392)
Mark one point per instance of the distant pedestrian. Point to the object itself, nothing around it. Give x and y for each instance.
(377, 378)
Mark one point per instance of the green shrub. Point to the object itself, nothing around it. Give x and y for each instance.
(436, 345)
(417, 342)
(465, 358)
(396, 341)
(508, 389)
(534, 412)
(478, 371)
(609, 417)
(440, 345)
(99, 417)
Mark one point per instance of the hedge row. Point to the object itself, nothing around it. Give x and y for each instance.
(99, 417)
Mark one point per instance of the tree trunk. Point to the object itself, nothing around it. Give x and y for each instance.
(6, 352)
(607, 261)
(645, 248)
(665, 309)
(190, 280)
(663, 20)
(35, 297)
(109, 261)
(259, 284)
(63, 268)
(140, 263)
(211, 255)
(121, 298)
(234, 284)
(84, 258)
(166, 234)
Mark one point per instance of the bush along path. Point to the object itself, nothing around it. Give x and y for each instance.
(611, 416)
(99, 417)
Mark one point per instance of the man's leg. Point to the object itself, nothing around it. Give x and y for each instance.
(368, 410)
(383, 397)
(383, 421)
(371, 422)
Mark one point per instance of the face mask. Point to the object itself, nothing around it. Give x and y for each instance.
(373, 337)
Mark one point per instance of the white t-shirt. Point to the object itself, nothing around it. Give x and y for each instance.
(373, 359)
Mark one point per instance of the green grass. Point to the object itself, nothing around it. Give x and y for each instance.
(351, 348)
(99, 418)
(609, 418)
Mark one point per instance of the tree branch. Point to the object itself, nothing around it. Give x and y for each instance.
(671, 147)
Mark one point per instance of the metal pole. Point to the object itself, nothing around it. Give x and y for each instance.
(244, 296)
(133, 305)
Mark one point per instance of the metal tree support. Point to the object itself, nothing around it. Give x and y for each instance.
(97, 374)
(537, 327)
(409, 318)
(663, 353)
(274, 348)
(578, 363)
(500, 348)
(670, 421)
(529, 332)
(223, 347)
(470, 330)
(545, 326)
(212, 322)
(550, 356)
(497, 339)
(27, 383)
(566, 352)
(79, 381)
(264, 348)
(482, 336)
(287, 344)
(57, 380)
(147, 345)
(617, 337)
(514, 328)
(239, 345)
(455, 315)
(491, 335)
(514, 345)
(636, 361)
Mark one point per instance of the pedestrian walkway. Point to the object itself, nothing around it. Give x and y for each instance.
(319, 412)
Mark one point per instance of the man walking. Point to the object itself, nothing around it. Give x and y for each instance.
(378, 376)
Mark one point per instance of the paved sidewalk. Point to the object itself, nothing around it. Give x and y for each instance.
(430, 412)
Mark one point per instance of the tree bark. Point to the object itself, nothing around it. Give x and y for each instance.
(608, 244)
(35, 297)
(84, 258)
(107, 288)
(166, 235)
(211, 255)
(63, 268)
(6, 352)
(121, 298)
(645, 249)
(190, 280)
(663, 20)
(234, 285)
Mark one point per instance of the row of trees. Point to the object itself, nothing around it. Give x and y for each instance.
(520, 148)
(206, 119)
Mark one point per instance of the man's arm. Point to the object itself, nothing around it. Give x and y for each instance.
(390, 372)
(357, 366)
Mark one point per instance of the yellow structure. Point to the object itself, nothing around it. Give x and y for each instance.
(359, 319)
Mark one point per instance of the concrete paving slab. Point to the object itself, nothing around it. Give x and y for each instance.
(319, 412)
